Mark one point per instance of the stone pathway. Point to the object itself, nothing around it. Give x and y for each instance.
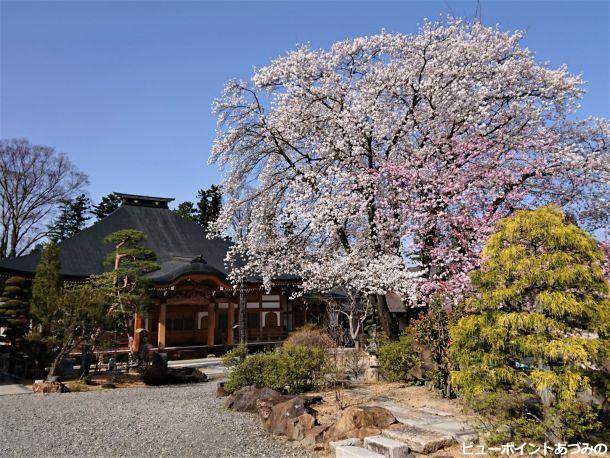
(421, 430)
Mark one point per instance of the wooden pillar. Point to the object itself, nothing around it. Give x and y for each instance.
(211, 323)
(230, 324)
(161, 333)
(137, 324)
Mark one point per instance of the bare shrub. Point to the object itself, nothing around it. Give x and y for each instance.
(310, 336)
(355, 362)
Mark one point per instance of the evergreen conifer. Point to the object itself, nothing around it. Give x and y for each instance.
(46, 289)
(14, 315)
(538, 323)
(71, 220)
(107, 205)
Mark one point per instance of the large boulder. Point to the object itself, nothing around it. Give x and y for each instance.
(361, 422)
(293, 418)
(279, 417)
(316, 437)
(244, 399)
(299, 427)
(187, 375)
(49, 387)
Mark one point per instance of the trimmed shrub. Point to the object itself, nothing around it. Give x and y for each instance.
(302, 368)
(235, 356)
(292, 369)
(397, 357)
(250, 372)
(310, 336)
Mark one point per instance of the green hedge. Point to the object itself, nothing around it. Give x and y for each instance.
(292, 369)
(397, 357)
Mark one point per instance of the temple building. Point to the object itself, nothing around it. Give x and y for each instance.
(196, 308)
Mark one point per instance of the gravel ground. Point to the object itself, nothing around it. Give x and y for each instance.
(185, 420)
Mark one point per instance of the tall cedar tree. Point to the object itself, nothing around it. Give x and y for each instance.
(14, 311)
(107, 205)
(131, 262)
(46, 293)
(72, 218)
(46, 289)
(209, 205)
(206, 211)
(540, 316)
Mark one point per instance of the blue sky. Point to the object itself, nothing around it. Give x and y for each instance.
(125, 88)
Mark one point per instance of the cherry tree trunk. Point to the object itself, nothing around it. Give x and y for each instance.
(387, 321)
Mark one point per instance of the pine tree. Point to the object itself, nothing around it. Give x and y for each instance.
(71, 219)
(187, 211)
(80, 208)
(539, 320)
(107, 205)
(209, 205)
(14, 312)
(58, 230)
(81, 314)
(131, 288)
(46, 289)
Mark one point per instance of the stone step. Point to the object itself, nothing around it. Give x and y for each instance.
(433, 411)
(352, 441)
(387, 447)
(418, 439)
(433, 420)
(410, 416)
(349, 451)
(459, 430)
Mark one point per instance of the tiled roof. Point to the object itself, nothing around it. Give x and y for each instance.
(175, 241)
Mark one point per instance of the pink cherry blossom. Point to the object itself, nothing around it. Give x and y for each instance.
(383, 163)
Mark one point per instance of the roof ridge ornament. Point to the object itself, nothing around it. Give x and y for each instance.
(144, 201)
(199, 259)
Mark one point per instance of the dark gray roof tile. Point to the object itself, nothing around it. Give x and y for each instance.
(174, 240)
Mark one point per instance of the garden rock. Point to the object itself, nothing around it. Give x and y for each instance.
(361, 422)
(49, 387)
(220, 390)
(299, 427)
(187, 375)
(316, 436)
(276, 417)
(244, 399)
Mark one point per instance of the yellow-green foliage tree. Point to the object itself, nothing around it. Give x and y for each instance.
(537, 326)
